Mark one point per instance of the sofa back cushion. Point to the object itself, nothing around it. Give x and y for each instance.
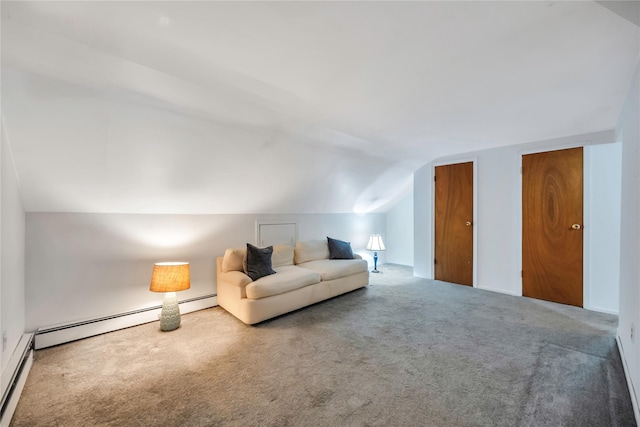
(234, 259)
(311, 251)
(282, 255)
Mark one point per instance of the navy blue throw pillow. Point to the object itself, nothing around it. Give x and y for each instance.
(259, 261)
(339, 249)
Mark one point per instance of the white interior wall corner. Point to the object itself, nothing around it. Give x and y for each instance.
(628, 133)
(12, 255)
(400, 232)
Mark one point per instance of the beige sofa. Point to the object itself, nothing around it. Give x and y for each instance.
(304, 275)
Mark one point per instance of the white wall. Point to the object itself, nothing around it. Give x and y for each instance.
(422, 222)
(498, 219)
(85, 266)
(498, 262)
(399, 237)
(603, 223)
(627, 131)
(2, 143)
(12, 231)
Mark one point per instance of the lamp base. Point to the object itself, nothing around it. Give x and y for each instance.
(375, 263)
(170, 317)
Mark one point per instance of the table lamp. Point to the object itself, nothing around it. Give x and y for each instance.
(170, 277)
(375, 244)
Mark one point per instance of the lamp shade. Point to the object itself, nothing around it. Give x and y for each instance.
(170, 277)
(375, 243)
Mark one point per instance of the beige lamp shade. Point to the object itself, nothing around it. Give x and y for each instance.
(170, 277)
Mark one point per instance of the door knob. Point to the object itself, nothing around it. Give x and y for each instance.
(468, 223)
(576, 226)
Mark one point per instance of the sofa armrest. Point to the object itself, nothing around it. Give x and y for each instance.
(234, 278)
(237, 278)
(356, 256)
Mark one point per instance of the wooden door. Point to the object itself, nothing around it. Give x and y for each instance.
(552, 197)
(454, 223)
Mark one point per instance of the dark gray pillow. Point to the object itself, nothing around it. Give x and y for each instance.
(339, 249)
(259, 261)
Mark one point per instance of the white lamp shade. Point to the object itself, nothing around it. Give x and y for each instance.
(375, 243)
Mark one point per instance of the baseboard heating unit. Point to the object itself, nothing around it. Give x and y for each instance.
(47, 337)
(14, 378)
(627, 374)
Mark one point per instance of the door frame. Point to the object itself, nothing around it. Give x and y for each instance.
(586, 219)
(473, 160)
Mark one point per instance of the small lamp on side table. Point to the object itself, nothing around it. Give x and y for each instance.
(375, 244)
(170, 277)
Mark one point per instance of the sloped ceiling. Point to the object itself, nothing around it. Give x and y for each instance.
(290, 107)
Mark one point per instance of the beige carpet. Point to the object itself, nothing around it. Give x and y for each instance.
(402, 352)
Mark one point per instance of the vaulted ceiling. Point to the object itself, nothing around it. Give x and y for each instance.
(290, 107)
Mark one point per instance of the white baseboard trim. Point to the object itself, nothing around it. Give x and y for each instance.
(632, 390)
(500, 291)
(47, 337)
(600, 310)
(13, 382)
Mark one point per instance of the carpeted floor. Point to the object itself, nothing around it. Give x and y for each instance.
(402, 352)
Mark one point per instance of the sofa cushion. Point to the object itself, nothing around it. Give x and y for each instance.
(330, 269)
(233, 259)
(287, 278)
(259, 262)
(339, 249)
(311, 251)
(282, 255)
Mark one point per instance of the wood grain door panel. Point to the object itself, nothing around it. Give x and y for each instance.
(552, 215)
(454, 223)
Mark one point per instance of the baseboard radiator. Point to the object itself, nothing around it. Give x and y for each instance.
(627, 374)
(14, 378)
(47, 337)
